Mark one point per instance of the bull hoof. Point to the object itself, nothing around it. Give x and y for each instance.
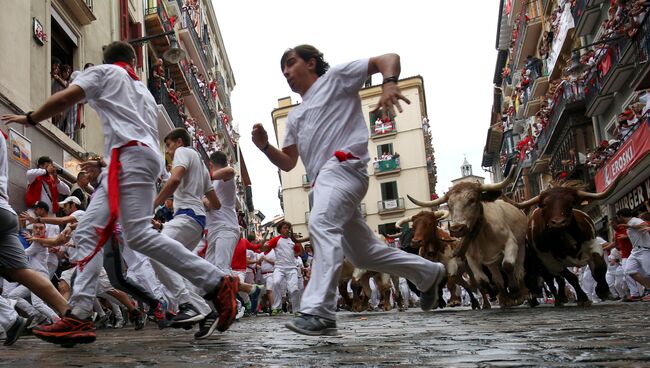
(487, 305)
(508, 267)
(584, 303)
(475, 305)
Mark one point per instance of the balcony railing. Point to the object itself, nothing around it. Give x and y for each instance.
(161, 95)
(305, 181)
(578, 10)
(390, 205)
(642, 40)
(200, 46)
(387, 166)
(221, 127)
(609, 61)
(206, 102)
(202, 152)
(570, 93)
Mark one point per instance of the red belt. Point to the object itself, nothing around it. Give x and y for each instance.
(113, 202)
(344, 156)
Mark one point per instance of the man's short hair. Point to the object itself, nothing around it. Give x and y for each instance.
(44, 160)
(179, 133)
(42, 205)
(625, 212)
(307, 52)
(119, 51)
(281, 224)
(219, 158)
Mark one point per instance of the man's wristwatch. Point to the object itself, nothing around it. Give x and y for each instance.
(392, 79)
(266, 147)
(29, 118)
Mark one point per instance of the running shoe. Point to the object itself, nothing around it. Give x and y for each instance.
(224, 301)
(430, 299)
(139, 318)
(187, 314)
(307, 324)
(207, 326)
(67, 331)
(16, 330)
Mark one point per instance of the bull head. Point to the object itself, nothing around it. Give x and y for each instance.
(424, 226)
(581, 196)
(465, 203)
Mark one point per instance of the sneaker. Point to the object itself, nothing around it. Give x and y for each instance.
(158, 313)
(16, 330)
(67, 331)
(139, 318)
(275, 312)
(631, 298)
(307, 324)
(119, 323)
(255, 298)
(187, 314)
(207, 326)
(240, 310)
(223, 298)
(102, 321)
(430, 298)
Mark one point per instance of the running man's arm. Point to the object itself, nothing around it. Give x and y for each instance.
(170, 186)
(389, 66)
(224, 174)
(213, 200)
(284, 159)
(55, 104)
(48, 220)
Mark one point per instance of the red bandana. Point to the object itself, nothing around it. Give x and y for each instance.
(128, 68)
(4, 134)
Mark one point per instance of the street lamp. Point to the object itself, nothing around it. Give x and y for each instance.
(173, 55)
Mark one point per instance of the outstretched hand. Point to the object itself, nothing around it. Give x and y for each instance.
(390, 96)
(14, 119)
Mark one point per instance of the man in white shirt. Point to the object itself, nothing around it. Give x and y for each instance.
(329, 133)
(129, 117)
(267, 266)
(13, 261)
(638, 263)
(285, 273)
(44, 184)
(188, 183)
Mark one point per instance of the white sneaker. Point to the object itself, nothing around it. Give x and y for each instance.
(240, 310)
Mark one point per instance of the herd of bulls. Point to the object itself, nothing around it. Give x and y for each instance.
(494, 248)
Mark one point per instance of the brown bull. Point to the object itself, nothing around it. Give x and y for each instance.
(494, 236)
(562, 236)
(437, 245)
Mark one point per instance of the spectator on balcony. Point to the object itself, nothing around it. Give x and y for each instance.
(396, 158)
(534, 64)
(158, 74)
(425, 124)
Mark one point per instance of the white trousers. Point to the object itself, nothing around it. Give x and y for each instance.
(637, 262)
(140, 272)
(188, 232)
(7, 314)
(140, 168)
(616, 281)
(222, 242)
(285, 279)
(37, 307)
(337, 228)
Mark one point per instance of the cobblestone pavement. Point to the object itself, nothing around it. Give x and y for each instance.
(609, 334)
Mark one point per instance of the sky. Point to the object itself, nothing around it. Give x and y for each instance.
(450, 44)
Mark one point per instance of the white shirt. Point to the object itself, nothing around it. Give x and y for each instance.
(226, 216)
(266, 267)
(4, 176)
(638, 238)
(284, 252)
(125, 106)
(78, 214)
(46, 196)
(194, 184)
(330, 118)
(38, 257)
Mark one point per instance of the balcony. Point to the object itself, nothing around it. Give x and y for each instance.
(82, 10)
(161, 95)
(204, 155)
(530, 28)
(387, 167)
(390, 206)
(605, 81)
(200, 106)
(156, 21)
(306, 183)
(561, 43)
(567, 162)
(570, 98)
(385, 129)
(642, 42)
(585, 16)
(193, 44)
(222, 131)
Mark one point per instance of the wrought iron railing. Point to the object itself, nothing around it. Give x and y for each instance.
(387, 165)
(200, 46)
(578, 10)
(206, 102)
(161, 95)
(614, 52)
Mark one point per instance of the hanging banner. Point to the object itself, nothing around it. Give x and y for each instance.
(566, 23)
(632, 151)
(20, 148)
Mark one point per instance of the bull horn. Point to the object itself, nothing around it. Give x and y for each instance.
(441, 214)
(525, 204)
(596, 196)
(500, 185)
(434, 203)
(403, 221)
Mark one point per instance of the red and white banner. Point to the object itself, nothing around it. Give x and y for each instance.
(632, 151)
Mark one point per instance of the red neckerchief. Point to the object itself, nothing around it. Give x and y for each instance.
(128, 68)
(4, 134)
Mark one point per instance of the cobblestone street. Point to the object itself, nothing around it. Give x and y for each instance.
(607, 334)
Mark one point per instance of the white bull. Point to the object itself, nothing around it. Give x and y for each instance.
(493, 235)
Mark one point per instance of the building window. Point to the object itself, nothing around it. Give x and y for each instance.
(385, 150)
(63, 49)
(389, 190)
(381, 123)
